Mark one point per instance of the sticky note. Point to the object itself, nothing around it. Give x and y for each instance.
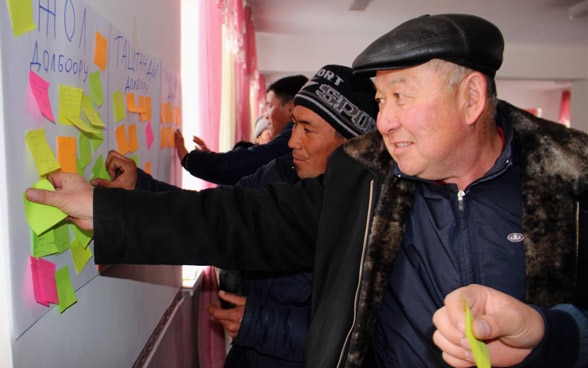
(21, 16)
(67, 154)
(96, 91)
(149, 134)
(122, 141)
(146, 114)
(44, 285)
(65, 290)
(44, 158)
(70, 103)
(148, 167)
(42, 217)
(133, 141)
(84, 236)
(85, 150)
(99, 169)
(169, 132)
(177, 116)
(118, 106)
(479, 348)
(43, 244)
(91, 113)
(100, 51)
(80, 255)
(162, 138)
(40, 89)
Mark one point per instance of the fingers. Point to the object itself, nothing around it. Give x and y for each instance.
(232, 298)
(99, 182)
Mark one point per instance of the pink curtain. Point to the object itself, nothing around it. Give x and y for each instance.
(564, 108)
(210, 72)
(211, 335)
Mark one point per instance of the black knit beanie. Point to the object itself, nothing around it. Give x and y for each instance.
(345, 101)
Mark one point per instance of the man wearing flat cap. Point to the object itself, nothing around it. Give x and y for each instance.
(459, 202)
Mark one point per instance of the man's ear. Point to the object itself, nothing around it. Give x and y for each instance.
(290, 107)
(474, 96)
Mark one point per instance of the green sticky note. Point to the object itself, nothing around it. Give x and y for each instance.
(44, 244)
(85, 150)
(96, 88)
(42, 217)
(80, 255)
(84, 236)
(118, 106)
(479, 348)
(65, 290)
(99, 169)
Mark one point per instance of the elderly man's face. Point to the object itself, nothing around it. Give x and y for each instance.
(421, 121)
(312, 141)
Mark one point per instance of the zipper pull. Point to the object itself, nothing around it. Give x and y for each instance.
(460, 195)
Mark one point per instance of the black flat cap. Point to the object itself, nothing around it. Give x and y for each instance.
(462, 39)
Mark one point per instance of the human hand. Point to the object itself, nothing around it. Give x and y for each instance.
(200, 144)
(510, 328)
(179, 143)
(122, 171)
(229, 318)
(73, 195)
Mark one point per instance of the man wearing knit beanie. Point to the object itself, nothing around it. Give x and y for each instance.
(331, 108)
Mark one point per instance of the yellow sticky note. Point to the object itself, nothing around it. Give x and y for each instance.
(100, 51)
(65, 289)
(21, 15)
(84, 236)
(44, 158)
(85, 150)
(90, 113)
(42, 217)
(67, 154)
(479, 349)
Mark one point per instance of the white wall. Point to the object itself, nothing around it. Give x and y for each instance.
(523, 67)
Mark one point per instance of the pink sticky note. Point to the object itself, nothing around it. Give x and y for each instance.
(40, 88)
(44, 285)
(149, 135)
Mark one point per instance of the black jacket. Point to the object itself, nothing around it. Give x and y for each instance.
(228, 167)
(349, 223)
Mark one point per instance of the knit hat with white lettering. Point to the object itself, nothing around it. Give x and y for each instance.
(345, 101)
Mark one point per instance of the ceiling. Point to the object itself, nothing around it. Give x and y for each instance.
(527, 22)
(521, 21)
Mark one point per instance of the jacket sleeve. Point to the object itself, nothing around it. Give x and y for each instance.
(228, 167)
(228, 229)
(565, 343)
(274, 329)
(147, 182)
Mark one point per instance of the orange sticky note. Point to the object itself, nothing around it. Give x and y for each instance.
(100, 51)
(177, 116)
(148, 167)
(67, 154)
(169, 132)
(162, 139)
(133, 142)
(122, 142)
(146, 114)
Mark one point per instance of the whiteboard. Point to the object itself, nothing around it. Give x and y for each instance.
(61, 50)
